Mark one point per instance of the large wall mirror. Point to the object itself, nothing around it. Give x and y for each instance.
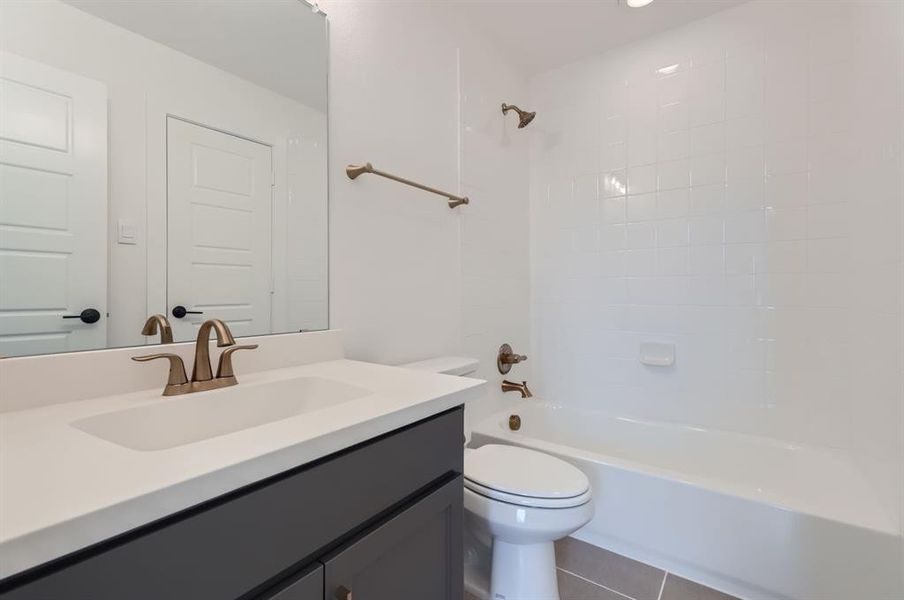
(160, 156)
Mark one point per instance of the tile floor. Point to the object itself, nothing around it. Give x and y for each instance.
(590, 573)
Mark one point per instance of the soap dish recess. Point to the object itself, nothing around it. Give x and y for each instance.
(656, 354)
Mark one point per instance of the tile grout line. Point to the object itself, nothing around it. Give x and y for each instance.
(590, 581)
(665, 575)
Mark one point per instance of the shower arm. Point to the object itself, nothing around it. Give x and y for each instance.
(524, 117)
(353, 171)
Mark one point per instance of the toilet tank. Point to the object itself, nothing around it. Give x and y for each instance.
(447, 365)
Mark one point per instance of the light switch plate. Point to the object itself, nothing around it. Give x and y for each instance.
(126, 232)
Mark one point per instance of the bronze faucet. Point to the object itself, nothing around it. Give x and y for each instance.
(511, 386)
(202, 378)
(159, 323)
(201, 371)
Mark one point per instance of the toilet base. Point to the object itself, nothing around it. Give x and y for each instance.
(523, 571)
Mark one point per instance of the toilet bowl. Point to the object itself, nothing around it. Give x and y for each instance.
(523, 501)
(518, 502)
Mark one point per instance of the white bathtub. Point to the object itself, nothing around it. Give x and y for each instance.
(755, 517)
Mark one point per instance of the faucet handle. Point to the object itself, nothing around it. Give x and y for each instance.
(224, 367)
(513, 359)
(506, 357)
(177, 367)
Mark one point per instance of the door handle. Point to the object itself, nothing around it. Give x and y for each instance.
(180, 311)
(343, 593)
(89, 315)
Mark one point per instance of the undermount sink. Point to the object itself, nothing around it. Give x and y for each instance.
(204, 415)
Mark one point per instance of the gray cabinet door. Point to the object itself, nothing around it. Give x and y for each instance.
(415, 555)
(309, 586)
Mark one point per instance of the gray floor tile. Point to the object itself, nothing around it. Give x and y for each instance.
(629, 577)
(575, 588)
(678, 588)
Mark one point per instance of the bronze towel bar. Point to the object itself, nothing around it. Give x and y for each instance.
(354, 170)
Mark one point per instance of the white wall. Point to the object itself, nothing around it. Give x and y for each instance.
(410, 278)
(395, 281)
(733, 187)
(140, 73)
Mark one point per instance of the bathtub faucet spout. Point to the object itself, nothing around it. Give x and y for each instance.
(511, 386)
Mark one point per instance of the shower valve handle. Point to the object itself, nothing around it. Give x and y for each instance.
(513, 359)
(507, 357)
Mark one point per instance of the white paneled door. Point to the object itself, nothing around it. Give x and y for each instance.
(53, 209)
(219, 211)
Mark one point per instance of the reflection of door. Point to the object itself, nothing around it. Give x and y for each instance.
(53, 208)
(218, 229)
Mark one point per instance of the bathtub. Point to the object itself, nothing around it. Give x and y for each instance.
(754, 517)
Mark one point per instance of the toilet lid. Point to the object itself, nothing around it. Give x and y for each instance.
(527, 500)
(524, 472)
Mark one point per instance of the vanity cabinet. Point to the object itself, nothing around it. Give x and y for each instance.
(382, 519)
(416, 554)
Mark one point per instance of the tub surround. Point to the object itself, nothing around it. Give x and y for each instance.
(732, 187)
(62, 489)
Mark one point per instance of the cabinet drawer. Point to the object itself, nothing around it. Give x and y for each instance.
(308, 586)
(414, 555)
(232, 545)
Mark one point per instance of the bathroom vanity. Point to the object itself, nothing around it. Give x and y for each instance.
(354, 494)
(381, 519)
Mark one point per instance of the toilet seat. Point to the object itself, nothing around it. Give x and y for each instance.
(527, 501)
(524, 477)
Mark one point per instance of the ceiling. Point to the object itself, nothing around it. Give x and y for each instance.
(536, 35)
(290, 38)
(539, 35)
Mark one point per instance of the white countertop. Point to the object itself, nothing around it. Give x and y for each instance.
(62, 489)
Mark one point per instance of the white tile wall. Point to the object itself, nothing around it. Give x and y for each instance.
(745, 204)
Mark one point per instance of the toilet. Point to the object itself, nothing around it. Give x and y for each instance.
(518, 502)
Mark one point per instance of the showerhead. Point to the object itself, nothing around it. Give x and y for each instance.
(524, 117)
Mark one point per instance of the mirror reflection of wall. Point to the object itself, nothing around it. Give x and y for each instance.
(160, 157)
